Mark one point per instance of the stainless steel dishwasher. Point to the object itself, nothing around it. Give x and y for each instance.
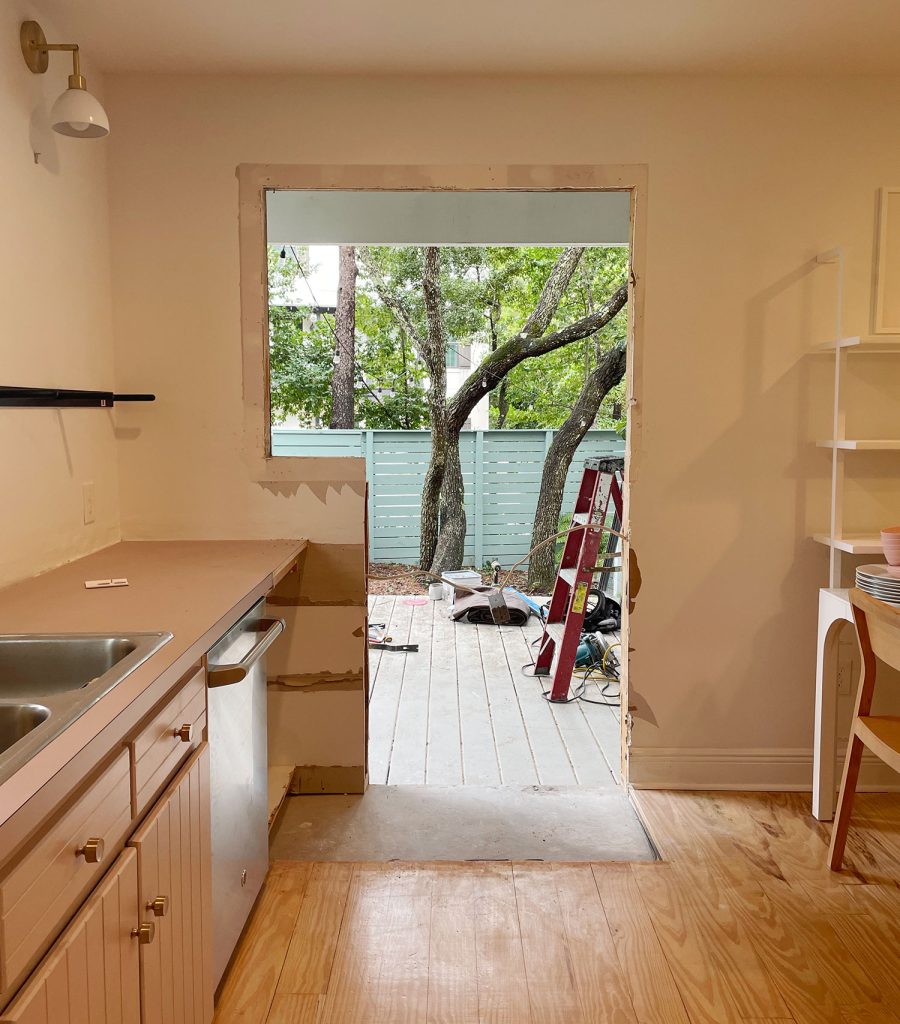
(238, 775)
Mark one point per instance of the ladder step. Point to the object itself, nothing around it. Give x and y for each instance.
(580, 518)
(568, 575)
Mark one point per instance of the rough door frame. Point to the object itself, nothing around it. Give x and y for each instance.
(253, 182)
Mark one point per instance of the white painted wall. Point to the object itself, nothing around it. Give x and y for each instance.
(55, 316)
(748, 178)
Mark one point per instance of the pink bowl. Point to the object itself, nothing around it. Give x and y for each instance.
(890, 544)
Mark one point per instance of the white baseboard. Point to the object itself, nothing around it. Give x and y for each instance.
(774, 769)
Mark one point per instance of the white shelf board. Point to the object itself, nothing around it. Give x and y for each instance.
(866, 345)
(869, 445)
(857, 544)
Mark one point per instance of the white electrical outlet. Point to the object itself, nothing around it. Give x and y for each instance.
(87, 498)
(845, 666)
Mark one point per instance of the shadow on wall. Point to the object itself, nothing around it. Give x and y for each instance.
(726, 513)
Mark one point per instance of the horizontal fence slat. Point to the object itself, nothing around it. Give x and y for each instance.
(511, 471)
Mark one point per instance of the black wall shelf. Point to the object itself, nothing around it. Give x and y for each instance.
(62, 398)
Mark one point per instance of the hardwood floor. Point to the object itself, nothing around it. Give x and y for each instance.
(461, 711)
(741, 922)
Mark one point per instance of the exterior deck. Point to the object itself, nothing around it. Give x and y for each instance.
(462, 712)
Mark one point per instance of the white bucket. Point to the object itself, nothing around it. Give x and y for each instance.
(467, 576)
(436, 591)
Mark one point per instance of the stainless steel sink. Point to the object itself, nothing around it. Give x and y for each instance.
(49, 680)
(38, 665)
(17, 721)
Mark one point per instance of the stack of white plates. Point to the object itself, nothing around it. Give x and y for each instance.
(881, 581)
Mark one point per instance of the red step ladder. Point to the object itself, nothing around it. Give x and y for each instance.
(601, 486)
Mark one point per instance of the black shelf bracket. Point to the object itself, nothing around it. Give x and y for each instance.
(63, 398)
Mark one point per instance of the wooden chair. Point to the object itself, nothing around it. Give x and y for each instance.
(878, 630)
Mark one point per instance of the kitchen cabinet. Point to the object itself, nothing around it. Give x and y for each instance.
(139, 949)
(92, 974)
(53, 875)
(174, 892)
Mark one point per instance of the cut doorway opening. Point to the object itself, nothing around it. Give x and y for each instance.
(459, 725)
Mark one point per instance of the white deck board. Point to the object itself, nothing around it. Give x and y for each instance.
(444, 760)
(462, 711)
(410, 748)
(479, 752)
(384, 689)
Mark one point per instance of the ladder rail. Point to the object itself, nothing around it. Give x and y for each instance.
(599, 499)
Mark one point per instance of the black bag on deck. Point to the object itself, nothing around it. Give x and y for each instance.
(605, 616)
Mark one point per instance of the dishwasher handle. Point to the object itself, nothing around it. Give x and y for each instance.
(225, 675)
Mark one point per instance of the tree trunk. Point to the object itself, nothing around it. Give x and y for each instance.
(451, 543)
(345, 339)
(609, 370)
(433, 349)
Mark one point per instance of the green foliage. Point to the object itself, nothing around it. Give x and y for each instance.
(301, 363)
(489, 291)
(541, 391)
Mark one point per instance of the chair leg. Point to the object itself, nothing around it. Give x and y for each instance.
(845, 803)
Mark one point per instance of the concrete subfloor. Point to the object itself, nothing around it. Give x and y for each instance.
(563, 823)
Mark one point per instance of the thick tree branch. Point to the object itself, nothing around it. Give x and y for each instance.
(610, 369)
(512, 352)
(553, 290)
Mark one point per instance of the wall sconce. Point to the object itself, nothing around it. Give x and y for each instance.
(76, 112)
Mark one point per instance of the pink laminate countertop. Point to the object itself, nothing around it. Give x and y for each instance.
(193, 589)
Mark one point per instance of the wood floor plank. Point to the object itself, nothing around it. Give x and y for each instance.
(844, 975)
(444, 762)
(602, 988)
(380, 972)
(307, 965)
(731, 951)
(786, 956)
(479, 751)
(247, 992)
(500, 964)
(869, 1013)
(692, 959)
(654, 994)
(295, 1009)
(452, 963)
(549, 961)
(875, 943)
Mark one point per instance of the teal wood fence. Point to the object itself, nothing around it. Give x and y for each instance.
(501, 470)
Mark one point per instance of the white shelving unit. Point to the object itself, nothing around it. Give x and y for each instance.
(843, 347)
(834, 601)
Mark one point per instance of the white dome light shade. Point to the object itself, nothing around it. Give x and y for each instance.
(79, 114)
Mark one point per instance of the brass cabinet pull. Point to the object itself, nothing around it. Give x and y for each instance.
(185, 733)
(144, 933)
(159, 906)
(92, 851)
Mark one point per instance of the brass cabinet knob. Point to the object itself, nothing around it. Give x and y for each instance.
(92, 851)
(144, 933)
(185, 733)
(159, 906)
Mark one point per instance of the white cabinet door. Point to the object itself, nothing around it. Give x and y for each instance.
(174, 885)
(92, 974)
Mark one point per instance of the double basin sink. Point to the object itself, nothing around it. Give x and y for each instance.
(48, 680)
